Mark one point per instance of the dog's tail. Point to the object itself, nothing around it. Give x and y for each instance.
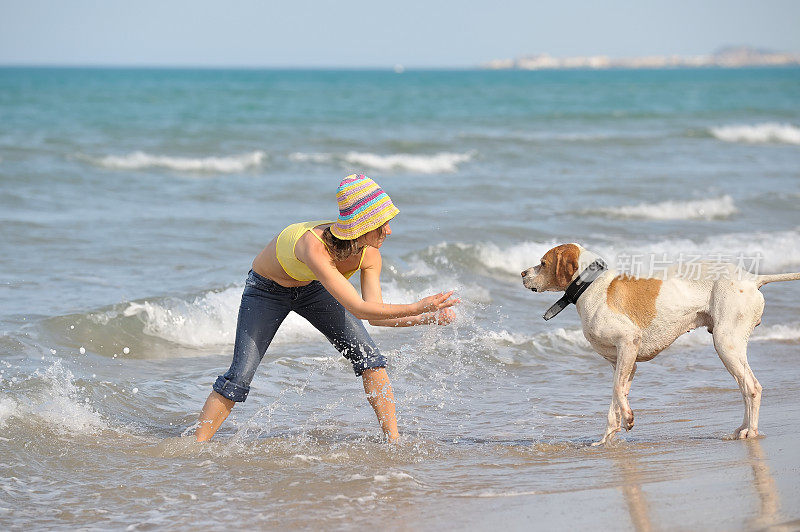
(764, 279)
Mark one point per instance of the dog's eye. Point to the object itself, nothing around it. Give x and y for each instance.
(542, 263)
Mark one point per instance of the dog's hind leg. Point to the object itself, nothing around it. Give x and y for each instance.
(731, 333)
(733, 353)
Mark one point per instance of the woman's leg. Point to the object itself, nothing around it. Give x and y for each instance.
(264, 306)
(380, 396)
(349, 336)
(214, 412)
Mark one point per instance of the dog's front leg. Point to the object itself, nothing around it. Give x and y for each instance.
(623, 375)
(613, 426)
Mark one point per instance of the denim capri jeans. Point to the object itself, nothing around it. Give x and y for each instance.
(265, 304)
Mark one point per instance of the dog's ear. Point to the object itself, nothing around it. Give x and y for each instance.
(566, 265)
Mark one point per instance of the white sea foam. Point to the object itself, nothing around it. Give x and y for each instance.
(307, 458)
(570, 337)
(503, 337)
(208, 320)
(140, 160)
(424, 164)
(560, 340)
(758, 252)
(443, 162)
(392, 292)
(63, 407)
(56, 401)
(392, 475)
(511, 259)
(762, 333)
(758, 133)
(779, 332)
(560, 337)
(707, 209)
(8, 407)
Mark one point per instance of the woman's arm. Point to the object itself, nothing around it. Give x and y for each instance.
(314, 254)
(371, 291)
(442, 317)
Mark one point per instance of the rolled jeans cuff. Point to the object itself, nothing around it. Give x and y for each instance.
(373, 362)
(230, 390)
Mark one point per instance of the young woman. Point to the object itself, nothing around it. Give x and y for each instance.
(306, 269)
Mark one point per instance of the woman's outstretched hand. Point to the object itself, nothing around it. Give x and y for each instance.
(445, 316)
(437, 302)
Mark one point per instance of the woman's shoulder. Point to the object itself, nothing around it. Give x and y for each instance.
(309, 246)
(311, 240)
(371, 258)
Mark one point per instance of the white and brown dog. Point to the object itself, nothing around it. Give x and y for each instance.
(629, 319)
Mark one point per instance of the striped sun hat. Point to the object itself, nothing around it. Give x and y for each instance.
(363, 206)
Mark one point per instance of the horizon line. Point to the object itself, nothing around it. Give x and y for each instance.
(394, 68)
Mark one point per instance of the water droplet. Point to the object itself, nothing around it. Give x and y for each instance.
(82, 350)
(126, 350)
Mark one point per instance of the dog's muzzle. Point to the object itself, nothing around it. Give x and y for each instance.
(525, 278)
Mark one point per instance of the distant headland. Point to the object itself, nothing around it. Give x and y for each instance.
(727, 57)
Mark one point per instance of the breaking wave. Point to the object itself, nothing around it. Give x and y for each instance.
(139, 160)
(169, 327)
(443, 162)
(758, 252)
(52, 397)
(758, 134)
(707, 209)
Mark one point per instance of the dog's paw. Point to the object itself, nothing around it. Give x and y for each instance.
(744, 433)
(627, 419)
(607, 438)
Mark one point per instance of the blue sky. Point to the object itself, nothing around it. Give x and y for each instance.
(323, 33)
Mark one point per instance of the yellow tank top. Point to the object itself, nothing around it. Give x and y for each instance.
(284, 248)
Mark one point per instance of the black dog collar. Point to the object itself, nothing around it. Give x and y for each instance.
(577, 287)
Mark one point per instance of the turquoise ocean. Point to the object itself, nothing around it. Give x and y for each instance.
(132, 202)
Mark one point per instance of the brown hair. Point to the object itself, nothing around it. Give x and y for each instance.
(340, 249)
